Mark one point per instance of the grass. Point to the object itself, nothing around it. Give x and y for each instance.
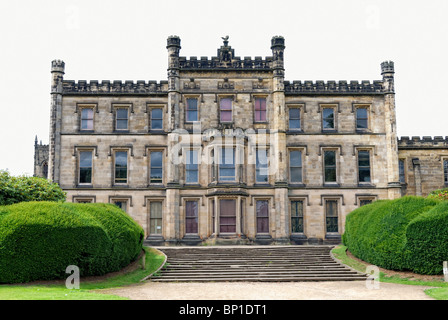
(153, 260)
(440, 292)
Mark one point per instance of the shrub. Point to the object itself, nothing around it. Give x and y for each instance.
(38, 240)
(376, 233)
(440, 194)
(23, 188)
(427, 241)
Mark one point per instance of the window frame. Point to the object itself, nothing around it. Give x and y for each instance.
(325, 166)
(367, 119)
(359, 167)
(81, 119)
(445, 171)
(337, 216)
(263, 166)
(187, 169)
(150, 218)
(260, 98)
(187, 109)
(120, 183)
(195, 217)
(258, 217)
(302, 217)
(230, 98)
(301, 151)
(299, 108)
(232, 166)
(150, 167)
(151, 118)
(79, 167)
(128, 110)
(323, 118)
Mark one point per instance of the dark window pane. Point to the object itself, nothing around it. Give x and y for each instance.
(156, 119)
(331, 215)
(364, 202)
(445, 170)
(121, 166)
(227, 165)
(402, 172)
(361, 118)
(122, 124)
(156, 159)
(330, 158)
(226, 116)
(262, 165)
(262, 216)
(328, 118)
(192, 116)
(87, 119)
(364, 166)
(295, 165)
(296, 216)
(226, 110)
(85, 159)
(330, 175)
(157, 124)
(85, 175)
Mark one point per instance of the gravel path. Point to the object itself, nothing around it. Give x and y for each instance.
(341, 290)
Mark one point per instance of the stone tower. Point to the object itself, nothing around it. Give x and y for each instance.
(40, 159)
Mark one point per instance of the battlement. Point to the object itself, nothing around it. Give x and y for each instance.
(258, 63)
(114, 87)
(416, 142)
(334, 87)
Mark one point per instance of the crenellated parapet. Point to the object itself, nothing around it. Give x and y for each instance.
(216, 63)
(334, 87)
(94, 87)
(426, 142)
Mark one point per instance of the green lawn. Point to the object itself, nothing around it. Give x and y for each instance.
(440, 292)
(153, 260)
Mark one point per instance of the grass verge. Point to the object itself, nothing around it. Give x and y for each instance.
(440, 292)
(153, 260)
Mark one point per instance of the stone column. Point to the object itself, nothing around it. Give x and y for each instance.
(57, 77)
(394, 186)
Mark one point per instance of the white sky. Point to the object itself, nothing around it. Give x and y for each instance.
(126, 40)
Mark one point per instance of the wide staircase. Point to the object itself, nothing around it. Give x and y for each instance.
(253, 263)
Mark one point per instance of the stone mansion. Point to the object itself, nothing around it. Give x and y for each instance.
(226, 151)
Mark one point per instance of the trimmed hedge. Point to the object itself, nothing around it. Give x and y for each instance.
(427, 241)
(38, 240)
(378, 233)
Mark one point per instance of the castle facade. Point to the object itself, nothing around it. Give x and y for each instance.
(227, 151)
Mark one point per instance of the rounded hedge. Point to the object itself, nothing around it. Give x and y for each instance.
(39, 240)
(394, 234)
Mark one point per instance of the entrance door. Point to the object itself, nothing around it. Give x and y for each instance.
(227, 216)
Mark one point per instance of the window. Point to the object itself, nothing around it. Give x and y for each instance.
(192, 110)
(362, 119)
(225, 110)
(192, 167)
(295, 166)
(122, 204)
(296, 216)
(262, 166)
(401, 170)
(121, 167)
(85, 167)
(156, 119)
(227, 165)
(191, 217)
(445, 171)
(227, 216)
(155, 218)
(294, 119)
(260, 110)
(213, 216)
(121, 119)
(330, 166)
(364, 202)
(364, 166)
(262, 216)
(331, 211)
(156, 167)
(328, 118)
(87, 119)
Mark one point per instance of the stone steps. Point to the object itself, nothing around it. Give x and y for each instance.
(253, 263)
